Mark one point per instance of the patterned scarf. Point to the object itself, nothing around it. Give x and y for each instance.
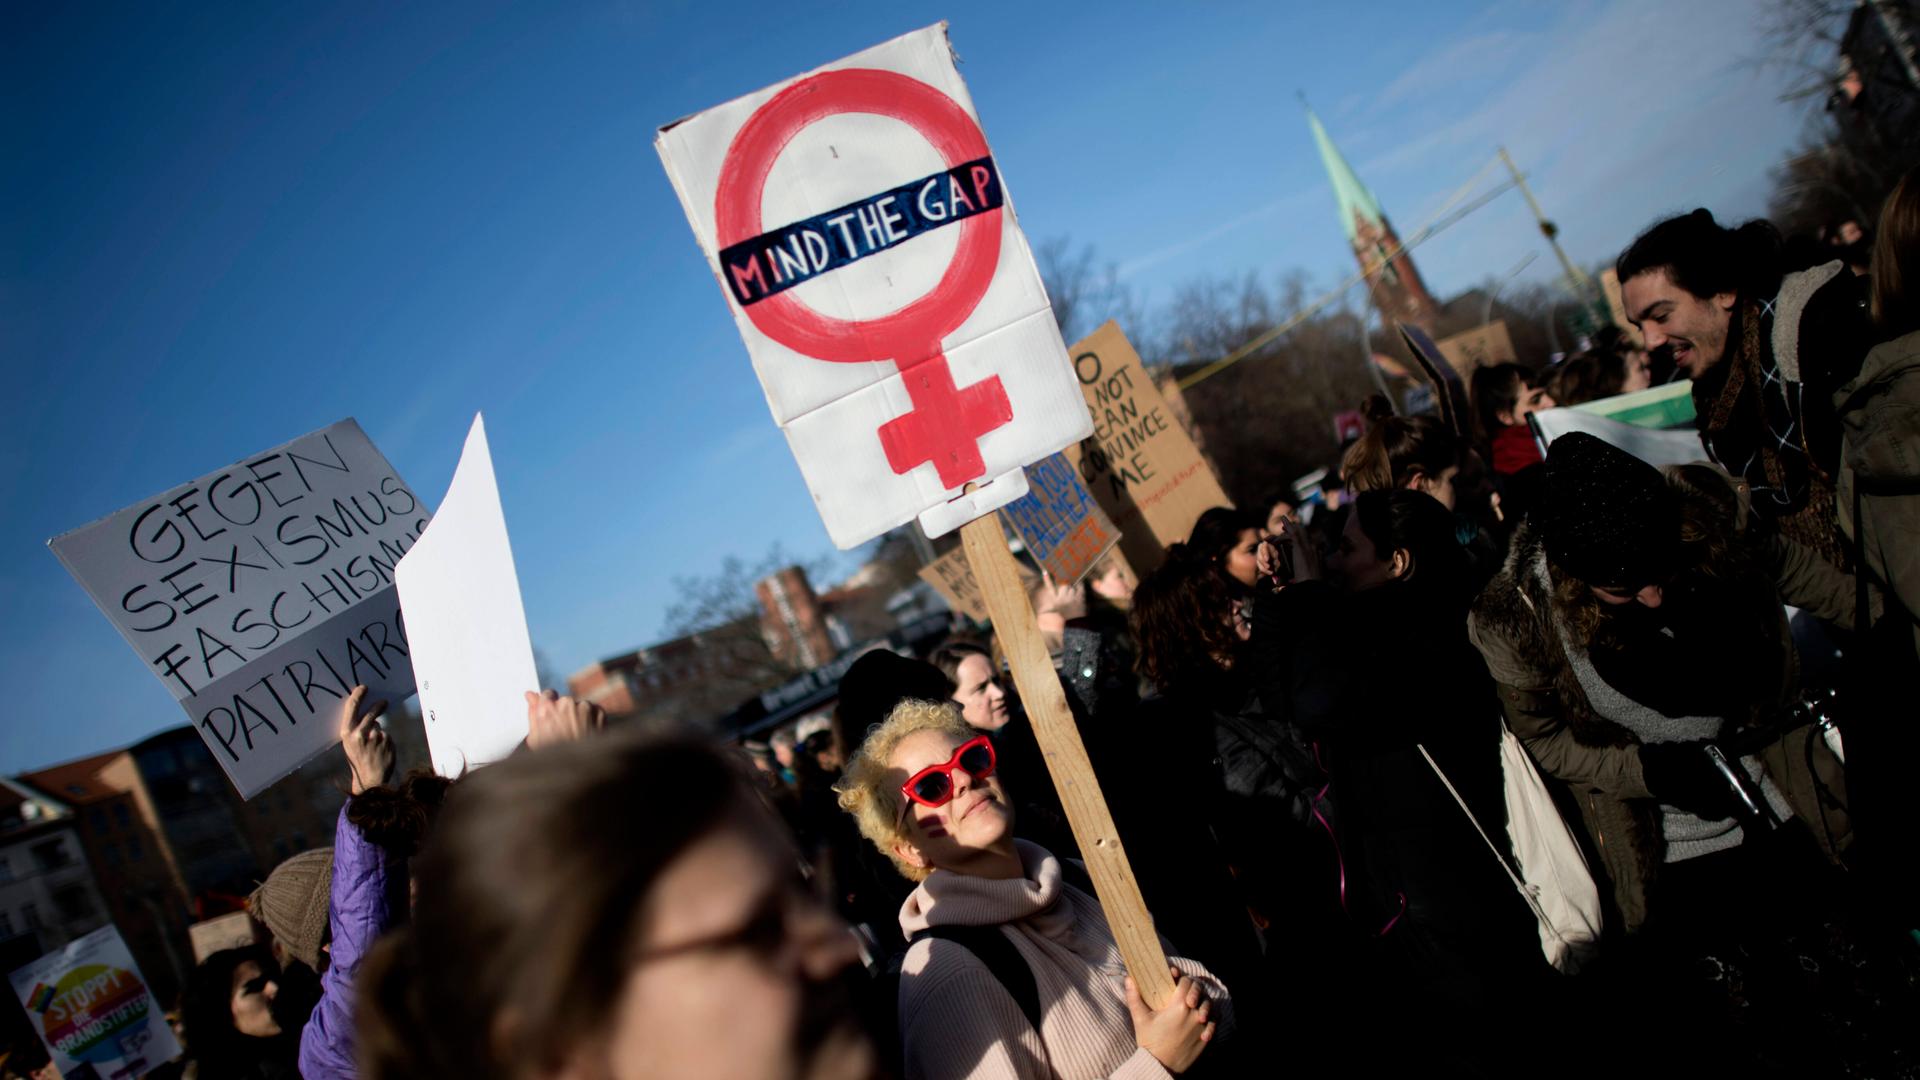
(1754, 430)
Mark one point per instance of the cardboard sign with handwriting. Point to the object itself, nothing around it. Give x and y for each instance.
(1482, 346)
(1141, 466)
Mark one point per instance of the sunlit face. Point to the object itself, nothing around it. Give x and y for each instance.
(1242, 562)
(1693, 330)
(1277, 516)
(960, 833)
(1530, 401)
(253, 994)
(739, 973)
(1639, 374)
(1440, 487)
(1355, 564)
(1113, 583)
(982, 701)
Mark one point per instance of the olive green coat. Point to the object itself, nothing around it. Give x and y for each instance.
(1598, 760)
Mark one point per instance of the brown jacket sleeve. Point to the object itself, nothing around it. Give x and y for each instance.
(1813, 584)
(1534, 712)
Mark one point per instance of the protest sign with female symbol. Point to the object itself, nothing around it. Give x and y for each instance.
(863, 237)
(906, 347)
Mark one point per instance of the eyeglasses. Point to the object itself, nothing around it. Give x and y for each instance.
(932, 786)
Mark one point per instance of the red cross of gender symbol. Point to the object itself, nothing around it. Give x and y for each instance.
(946, 422)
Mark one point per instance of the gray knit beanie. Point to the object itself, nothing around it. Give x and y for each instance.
(293, 903)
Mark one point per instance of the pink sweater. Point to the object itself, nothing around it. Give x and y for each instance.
(957, 1021)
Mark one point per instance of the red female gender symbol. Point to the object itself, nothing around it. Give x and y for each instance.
(945, 422)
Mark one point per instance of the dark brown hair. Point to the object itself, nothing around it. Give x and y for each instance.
(1415, 522)
(397, 819)
(1497, 388)
(1896, 260)
(1182, 619)
(1395, 448)
(951, 653)
(1706, 258)
(533, 889)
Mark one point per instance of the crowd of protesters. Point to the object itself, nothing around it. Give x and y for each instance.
(1296, 719)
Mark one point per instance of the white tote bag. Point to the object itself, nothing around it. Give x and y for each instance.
(1553, 877)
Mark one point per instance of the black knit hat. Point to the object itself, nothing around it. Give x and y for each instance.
(1607, 517)
(877, 682)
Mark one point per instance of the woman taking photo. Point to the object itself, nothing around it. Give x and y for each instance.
(924, 790)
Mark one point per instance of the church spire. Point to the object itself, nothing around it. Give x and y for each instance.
(1396, 286)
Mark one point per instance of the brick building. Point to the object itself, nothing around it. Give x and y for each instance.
(170, 843)
(47, 887)
(702, 677)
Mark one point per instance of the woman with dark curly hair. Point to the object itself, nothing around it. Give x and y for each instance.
(1247, 780)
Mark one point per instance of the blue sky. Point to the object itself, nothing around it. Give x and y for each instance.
(222, 227)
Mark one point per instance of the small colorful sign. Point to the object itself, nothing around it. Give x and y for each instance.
(1063, 528)
(92, 1009)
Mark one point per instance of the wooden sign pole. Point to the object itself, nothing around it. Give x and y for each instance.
(1046, 703)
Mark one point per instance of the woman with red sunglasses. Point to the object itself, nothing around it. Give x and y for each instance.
(924, 790)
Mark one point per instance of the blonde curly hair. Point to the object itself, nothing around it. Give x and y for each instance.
(867, 787)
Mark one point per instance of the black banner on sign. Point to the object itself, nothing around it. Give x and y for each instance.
(773, 262)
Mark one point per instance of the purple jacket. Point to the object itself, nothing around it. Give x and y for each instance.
(359, 910)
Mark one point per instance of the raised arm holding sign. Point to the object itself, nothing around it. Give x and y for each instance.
(868, 250)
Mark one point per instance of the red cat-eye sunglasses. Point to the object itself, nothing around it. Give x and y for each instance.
(932, 786)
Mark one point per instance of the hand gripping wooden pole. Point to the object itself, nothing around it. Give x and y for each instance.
(1046, 703)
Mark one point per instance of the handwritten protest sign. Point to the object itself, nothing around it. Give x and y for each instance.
(261, 593)
(952, 578)
(471, 650)
(1141, 466)
(1063, 529)
(90, 1006)
(1479, 347)
(866, 245)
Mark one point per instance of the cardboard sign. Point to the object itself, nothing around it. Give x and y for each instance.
(952, 578)
(231, 931)
(261, 593)
(863, 238)
(1483, 346)
(93, 1010)
(1064, 530)
(1450, 394)
(471, 651)
(1141, 466)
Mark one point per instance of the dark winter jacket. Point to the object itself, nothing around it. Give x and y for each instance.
(1231, 837)
(1515, 625)
(1371, 677)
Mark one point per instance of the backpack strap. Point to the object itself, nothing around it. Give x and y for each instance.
(991, 946)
